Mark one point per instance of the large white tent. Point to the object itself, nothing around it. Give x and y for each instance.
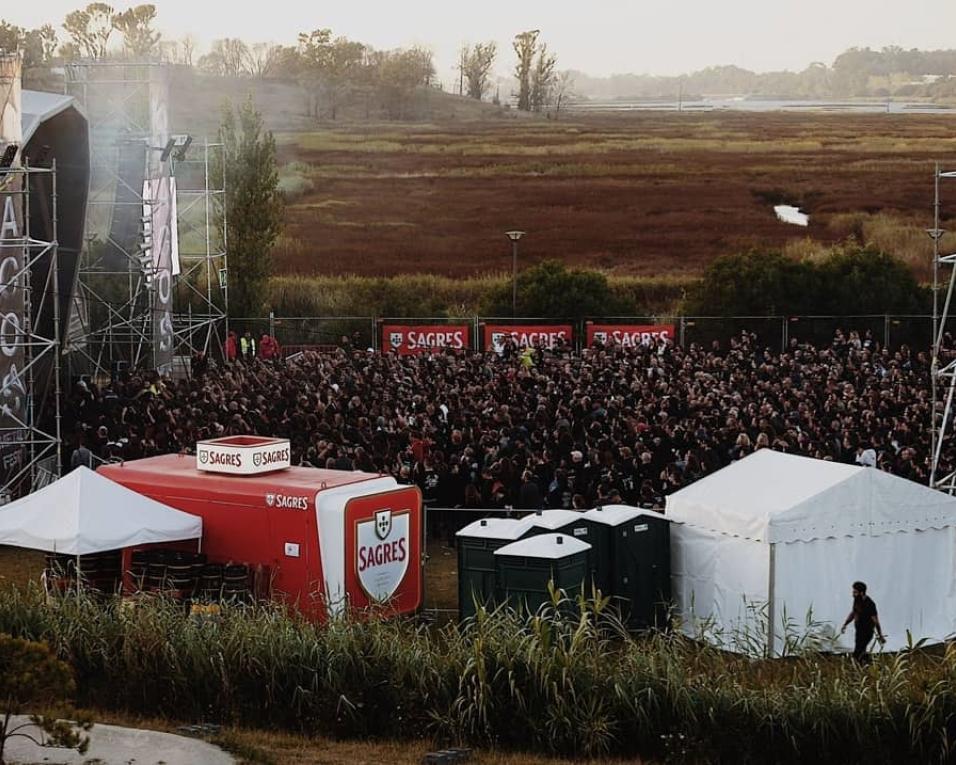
(85, 513)
(779, 539)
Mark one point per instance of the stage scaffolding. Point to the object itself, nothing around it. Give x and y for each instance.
(117, 316)
(943, 369)
(30, 454)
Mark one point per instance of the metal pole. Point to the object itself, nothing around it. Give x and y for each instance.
(771, 586)
(934, 357)
(514, 278)
(57, 391)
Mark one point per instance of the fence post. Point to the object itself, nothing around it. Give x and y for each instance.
(886, 331)
(783, 335)
(680, 331)
(272, 324)
(375, 340)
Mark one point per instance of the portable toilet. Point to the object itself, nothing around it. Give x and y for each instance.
(524, 569)
(327, 540)
(575, 524)
(637, 550)
(477, 543)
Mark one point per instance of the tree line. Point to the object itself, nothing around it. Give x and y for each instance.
(327, 66)
(857, 72)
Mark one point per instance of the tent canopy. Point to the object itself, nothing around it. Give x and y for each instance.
(774, 497)
(86, 513)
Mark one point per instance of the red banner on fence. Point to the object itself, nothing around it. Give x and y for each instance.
(525, 335)
(629, 335)
(410, 339)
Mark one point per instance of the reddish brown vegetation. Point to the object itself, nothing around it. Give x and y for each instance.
(638, 194)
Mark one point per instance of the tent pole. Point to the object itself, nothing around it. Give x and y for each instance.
(770, 593)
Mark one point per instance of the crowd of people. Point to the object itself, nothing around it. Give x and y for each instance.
(547, 428)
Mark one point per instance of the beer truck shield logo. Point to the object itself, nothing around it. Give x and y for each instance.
(383, 547)
(383, 523)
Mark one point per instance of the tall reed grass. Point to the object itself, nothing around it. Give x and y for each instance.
(569, 681)
(428, 295)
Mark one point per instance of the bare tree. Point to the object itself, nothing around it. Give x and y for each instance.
(562, 90)
(90, 29)
(228, 58)
(262, 59)
(477, 67)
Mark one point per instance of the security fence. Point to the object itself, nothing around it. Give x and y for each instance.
(410, 335)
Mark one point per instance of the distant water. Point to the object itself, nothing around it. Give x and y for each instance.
(758, 105)
(791, 214)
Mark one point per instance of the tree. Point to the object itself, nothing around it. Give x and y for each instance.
(397, 74)
(140, 40)
(38, 45)
(330, 67)
(228, 57)
(32, 678)
(476, 67)
(525, 46)
(254, 205)
(550, 290)
(542, 79)
(90, 29)
(562, 90)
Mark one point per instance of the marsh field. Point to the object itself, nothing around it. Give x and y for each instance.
(639, 195)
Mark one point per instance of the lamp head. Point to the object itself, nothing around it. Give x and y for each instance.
(514, 236)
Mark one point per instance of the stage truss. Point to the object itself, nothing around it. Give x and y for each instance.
(943, 369)
(114, 316)
(30, 451)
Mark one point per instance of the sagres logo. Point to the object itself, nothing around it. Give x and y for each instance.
(203, 456)
(287, 501)
(498, 340)
(601, 337)
(257, 459)
(383, 544)
(396, 339)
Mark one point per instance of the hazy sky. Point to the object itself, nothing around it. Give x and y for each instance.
(599, 37)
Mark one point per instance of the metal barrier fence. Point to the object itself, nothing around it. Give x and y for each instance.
(774, 332)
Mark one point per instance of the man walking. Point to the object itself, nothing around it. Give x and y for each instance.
(865, 621)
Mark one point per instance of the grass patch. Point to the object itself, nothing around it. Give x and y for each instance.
(568, 682)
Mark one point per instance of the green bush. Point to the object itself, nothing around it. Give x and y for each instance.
(552, 291)
(295, 187)
(570, 684)
(848, 281)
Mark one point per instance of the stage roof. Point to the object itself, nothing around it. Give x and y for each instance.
(38, 107)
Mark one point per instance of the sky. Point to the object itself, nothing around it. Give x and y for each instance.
(599, 37)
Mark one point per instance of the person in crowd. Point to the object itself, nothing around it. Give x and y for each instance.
(865, 621)
(268, 347)
(232, 346)
(81, 456)
(628, 422)
(247, 346)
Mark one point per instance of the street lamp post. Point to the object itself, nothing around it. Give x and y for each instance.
(514, 236)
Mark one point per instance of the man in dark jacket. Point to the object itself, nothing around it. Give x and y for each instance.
(865, 621)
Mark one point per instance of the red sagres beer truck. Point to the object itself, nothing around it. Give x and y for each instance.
(328, 539)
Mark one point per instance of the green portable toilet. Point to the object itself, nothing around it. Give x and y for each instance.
(577, 525)
(638, 558)
(477, 543)
(523, 569)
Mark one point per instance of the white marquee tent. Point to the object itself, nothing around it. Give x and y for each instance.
(85, 513)
(775, 537)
